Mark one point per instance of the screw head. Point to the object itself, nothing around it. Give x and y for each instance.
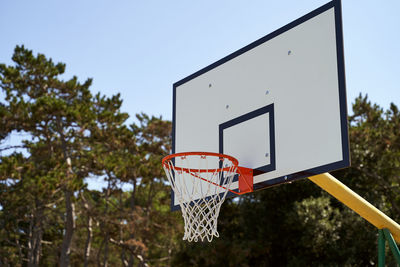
(289, 52)
(267, 92)
(227, 106)
(266, 154)
(209, 85)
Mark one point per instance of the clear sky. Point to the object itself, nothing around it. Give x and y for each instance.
(140, 48)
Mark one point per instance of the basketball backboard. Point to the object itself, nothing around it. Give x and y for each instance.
(278, 105)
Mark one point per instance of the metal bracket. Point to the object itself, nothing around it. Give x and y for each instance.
(245, 180)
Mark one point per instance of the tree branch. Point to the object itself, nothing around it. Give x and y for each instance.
(11, 147)
(131, 250)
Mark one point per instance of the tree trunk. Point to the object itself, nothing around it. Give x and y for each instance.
(103, 224)
(31, 241)
(132, 202)
(98, 256)
(88, 240)
(124, 262)
(142, 261)
(38, 245)
(35, 237)
(105, 259)
(19, 251)
(131, 260)
(69, 229)
(69, 205)
(149, 203)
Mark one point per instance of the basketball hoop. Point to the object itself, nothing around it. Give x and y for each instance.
(201, 181)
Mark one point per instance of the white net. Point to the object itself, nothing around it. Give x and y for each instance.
(200, 182)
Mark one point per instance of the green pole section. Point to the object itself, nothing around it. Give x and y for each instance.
(381, 248)
(392, 245)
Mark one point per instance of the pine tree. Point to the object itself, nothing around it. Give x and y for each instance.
(56, 114)
(48, 216)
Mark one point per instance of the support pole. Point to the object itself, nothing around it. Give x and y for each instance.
(393, 246)
(352, 200)
(381, 248)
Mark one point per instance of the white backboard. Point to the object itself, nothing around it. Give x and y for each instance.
(278, 105)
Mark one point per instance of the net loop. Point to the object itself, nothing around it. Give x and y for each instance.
(200, 181)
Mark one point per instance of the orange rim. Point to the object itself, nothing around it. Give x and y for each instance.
(235, 162)
(212, 154)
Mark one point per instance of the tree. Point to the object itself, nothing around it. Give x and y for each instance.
(136, 224)
(56, 114)
(375, 146)
(47, 214)
(162, 227)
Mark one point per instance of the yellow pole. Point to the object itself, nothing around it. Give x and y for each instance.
(352, 200)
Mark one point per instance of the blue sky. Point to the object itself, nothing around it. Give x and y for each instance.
(140, 48)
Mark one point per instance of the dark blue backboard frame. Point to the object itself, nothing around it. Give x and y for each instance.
(345, 162)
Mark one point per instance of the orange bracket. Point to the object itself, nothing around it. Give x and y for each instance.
(245, 180)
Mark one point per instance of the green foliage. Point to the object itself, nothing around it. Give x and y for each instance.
(73, 136)
(375, 147)
(47, 215)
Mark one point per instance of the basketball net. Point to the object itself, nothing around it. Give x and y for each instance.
(200, 182)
